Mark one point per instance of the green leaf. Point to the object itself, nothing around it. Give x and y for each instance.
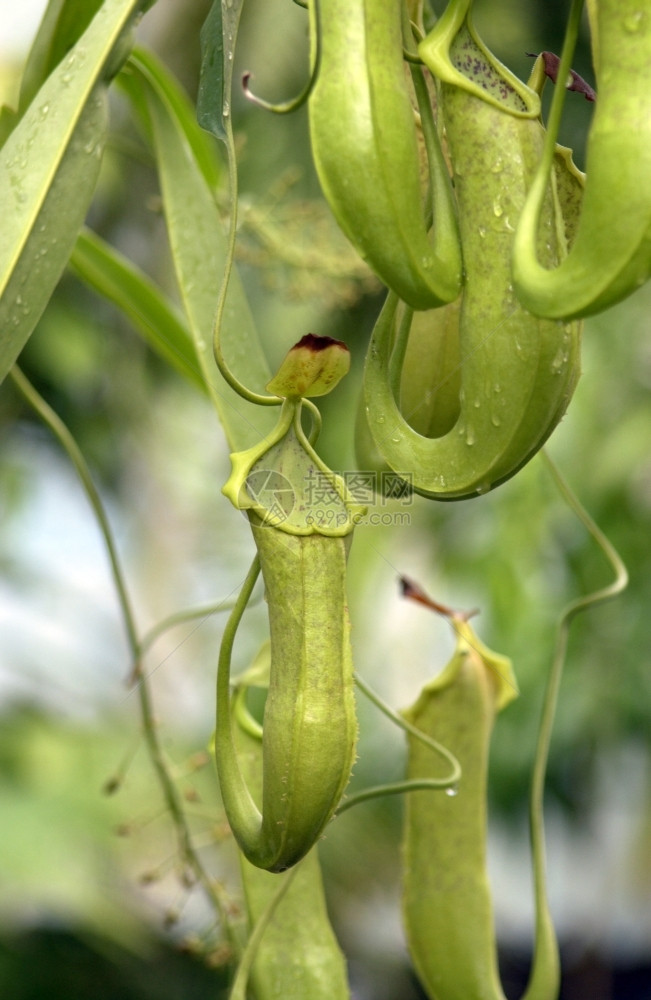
(203, 147)
(63, 23)
(217, 46)
(198, 245)
(153, 315)
(8, 121)
(48, 172)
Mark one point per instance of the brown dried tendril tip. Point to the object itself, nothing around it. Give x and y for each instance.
(413, 592)
(551, 62)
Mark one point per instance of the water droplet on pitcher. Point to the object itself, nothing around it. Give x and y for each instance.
(558, 361)
(633, 22)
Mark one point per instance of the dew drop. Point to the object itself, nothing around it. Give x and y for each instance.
(498, 211)
(633, 22)
(497, 167)
(452, 791)
(482, 232)
(558, 361)
(43, 110)
(396, 438)
(380, 418)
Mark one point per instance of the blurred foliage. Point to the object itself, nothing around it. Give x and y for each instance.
(158, 454)
(59, 965)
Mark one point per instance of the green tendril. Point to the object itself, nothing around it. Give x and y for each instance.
(170, 793)
(402, 787)
(287, 107)
(200, 613)
(315, 414)
(71, 448)
(403, 724)
(228, 375)
(545, 952)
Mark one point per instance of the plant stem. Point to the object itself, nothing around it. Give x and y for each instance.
(169, 791)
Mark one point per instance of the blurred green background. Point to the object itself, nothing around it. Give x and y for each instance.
(90, 898)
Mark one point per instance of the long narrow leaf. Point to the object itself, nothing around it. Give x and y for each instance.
(198, 246)
(217, 38)
(202, 145)
(153, 315)
(61, 26)
(48, 172)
